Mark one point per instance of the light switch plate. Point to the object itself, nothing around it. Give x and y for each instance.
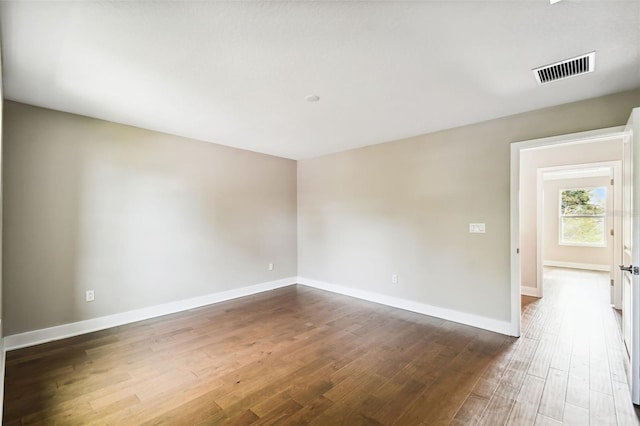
(477, 228)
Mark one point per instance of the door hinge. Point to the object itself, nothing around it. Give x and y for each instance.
(518, 251)
(611, 283)
(611, 182)
(612, 232)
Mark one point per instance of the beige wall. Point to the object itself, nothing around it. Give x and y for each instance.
(530, 161)
(553, 250)
(145, 218)
(140, 217)
(404, 208)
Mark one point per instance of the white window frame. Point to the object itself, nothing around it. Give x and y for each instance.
(561, 222)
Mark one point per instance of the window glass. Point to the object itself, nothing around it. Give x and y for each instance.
(582, 216)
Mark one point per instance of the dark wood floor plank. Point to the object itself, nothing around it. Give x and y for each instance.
(497, 412)
(471, 410)
(442, 399)
(388, 408)
(517, 369)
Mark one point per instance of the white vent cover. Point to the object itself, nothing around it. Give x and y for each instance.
(582, 64)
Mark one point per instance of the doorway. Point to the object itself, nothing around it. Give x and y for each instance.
(577, 224)
(526, 158)
(524, 248)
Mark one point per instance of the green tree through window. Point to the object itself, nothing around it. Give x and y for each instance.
(582, 216)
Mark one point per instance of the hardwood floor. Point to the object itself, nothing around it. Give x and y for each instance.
(579, 354)
(302, 356)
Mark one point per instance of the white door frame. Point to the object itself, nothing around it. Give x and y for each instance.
(575, 138)
(633, 164)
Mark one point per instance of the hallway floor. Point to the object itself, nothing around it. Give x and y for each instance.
(573, 338)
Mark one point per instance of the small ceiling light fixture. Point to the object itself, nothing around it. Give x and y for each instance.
(312, 98)
(553, 1)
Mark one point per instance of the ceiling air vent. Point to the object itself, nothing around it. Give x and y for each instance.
(582, 64)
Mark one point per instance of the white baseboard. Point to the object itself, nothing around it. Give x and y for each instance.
(31, 338)
(529, 291)
(44, 335)
(576, 265)
(502, 327)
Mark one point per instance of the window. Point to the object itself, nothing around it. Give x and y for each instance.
(582, 216)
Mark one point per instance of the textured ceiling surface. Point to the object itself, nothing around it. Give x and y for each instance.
(237, 73)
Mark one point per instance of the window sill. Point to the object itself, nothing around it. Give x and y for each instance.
(594, 245)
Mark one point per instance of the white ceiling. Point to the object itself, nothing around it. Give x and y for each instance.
(237, 73)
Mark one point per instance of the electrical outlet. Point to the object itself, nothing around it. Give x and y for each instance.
(394, 279)
(271, 266)
(90, 296)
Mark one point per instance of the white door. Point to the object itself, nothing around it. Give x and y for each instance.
(630, 269)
